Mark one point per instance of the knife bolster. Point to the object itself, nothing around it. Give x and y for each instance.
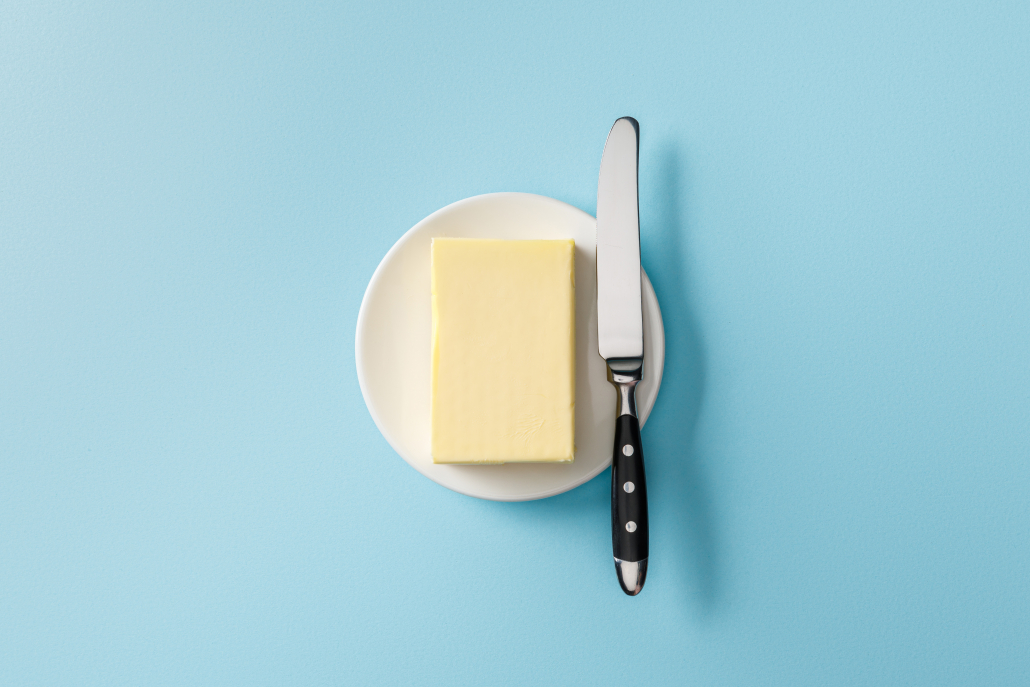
(625, 374)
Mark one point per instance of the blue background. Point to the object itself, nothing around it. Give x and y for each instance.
(836, 217)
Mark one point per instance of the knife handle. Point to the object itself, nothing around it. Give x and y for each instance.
(629, 503)
(629, 489)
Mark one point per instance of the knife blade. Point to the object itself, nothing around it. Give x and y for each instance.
(620, 341)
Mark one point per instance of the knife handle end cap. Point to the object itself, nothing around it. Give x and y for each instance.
(631, 575)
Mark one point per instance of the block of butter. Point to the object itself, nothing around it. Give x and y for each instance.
(503, 365)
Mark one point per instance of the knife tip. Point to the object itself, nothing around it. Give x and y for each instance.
(631, 120)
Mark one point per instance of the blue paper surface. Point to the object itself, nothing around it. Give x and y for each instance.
(836, 218)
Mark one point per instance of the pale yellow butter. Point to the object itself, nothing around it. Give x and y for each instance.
(504, 330)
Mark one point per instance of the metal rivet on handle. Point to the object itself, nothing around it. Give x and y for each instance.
(628, 487)
(631, 526)
(627, 450)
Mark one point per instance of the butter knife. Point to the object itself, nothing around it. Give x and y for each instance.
(620, 339)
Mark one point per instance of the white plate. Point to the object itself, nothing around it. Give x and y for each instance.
(393, 344)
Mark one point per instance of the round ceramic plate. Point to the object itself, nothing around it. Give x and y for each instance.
(393, 345)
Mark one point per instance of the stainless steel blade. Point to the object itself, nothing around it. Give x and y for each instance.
(620, 327)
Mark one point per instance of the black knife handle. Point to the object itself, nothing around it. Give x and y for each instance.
(629, 492)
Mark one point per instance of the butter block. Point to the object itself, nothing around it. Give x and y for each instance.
(503, 365)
